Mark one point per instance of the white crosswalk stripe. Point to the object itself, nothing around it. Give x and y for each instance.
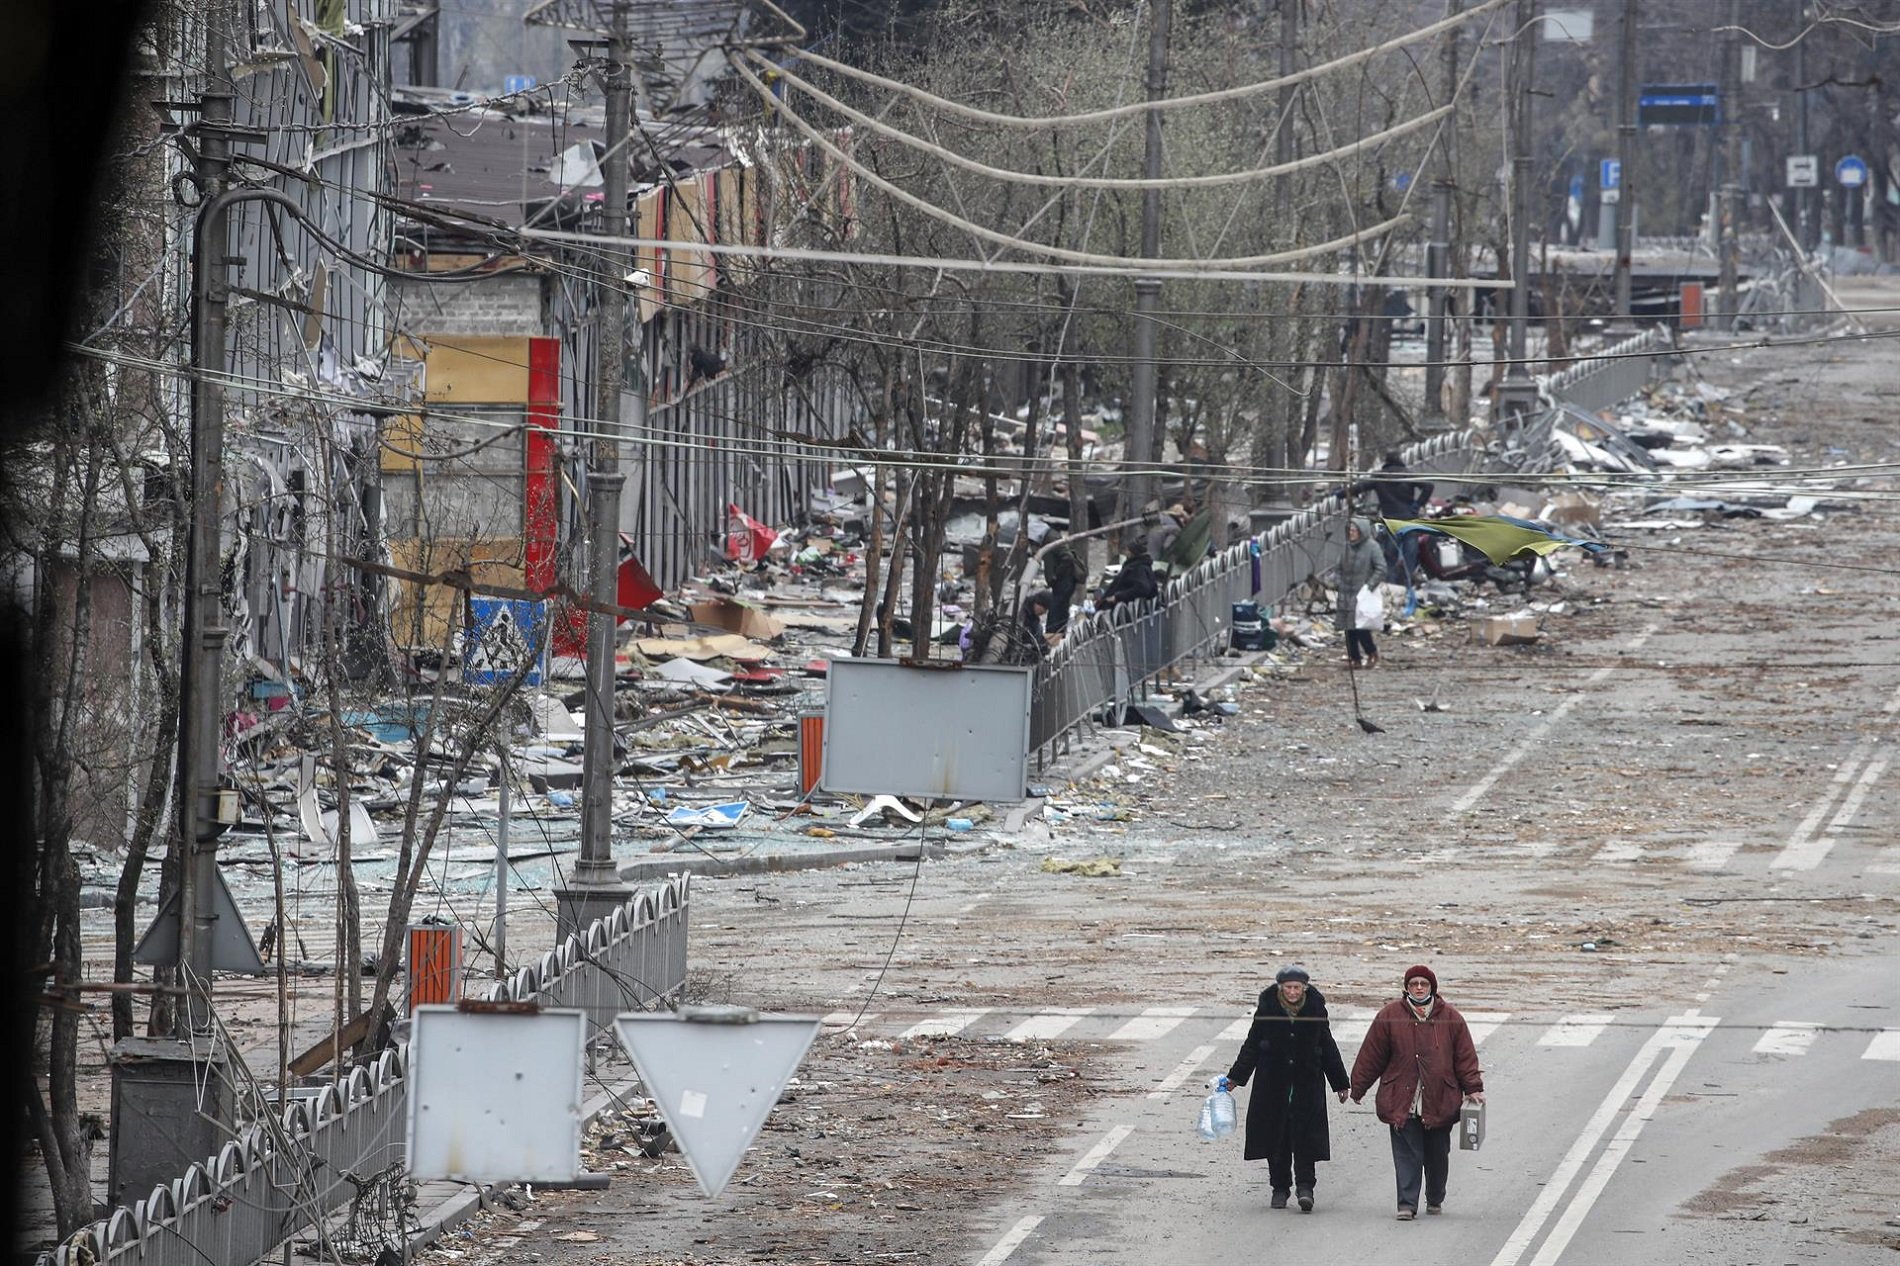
(1048, 1025)
(1350, 1028)
(1787, 1037)
(1886, 1045)
(1577, 1030)
(1237, 1030)
(949, 1024)
(1620, 852)
(1150, 1024)
(1484, 1023)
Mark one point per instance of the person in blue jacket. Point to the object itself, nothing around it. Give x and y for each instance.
(1290, 1049)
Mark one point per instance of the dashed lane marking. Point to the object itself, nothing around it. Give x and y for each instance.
(1095, 1156)
(1196, 1059)
(1886, 1045)
(1517, 753)
(1711, 854)
(1012, 1239)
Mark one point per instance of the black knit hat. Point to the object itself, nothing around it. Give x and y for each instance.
(1295, 972)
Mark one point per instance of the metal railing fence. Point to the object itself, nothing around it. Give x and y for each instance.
(283, 1175)
(1110, 659)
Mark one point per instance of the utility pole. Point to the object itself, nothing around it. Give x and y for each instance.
(1438, 250)
(1626, 160)
(1807, 218)
(1731, 163)
(1139, 444)
(1517, 394)
(594, 886)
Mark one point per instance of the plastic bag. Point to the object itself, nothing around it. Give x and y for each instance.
(1368, 610)
(1218, 1114)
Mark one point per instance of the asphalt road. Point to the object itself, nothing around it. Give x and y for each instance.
(1600, 1130)
(1654, 857)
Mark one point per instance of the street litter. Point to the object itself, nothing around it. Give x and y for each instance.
(715, 817)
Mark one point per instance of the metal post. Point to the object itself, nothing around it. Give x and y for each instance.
(205, 633)
(1731, 164)
(1807, 220)
(594, 884)
(1517, 394)
(501, 866)
(1626, 157)
(1438, 251)
(1138, 489)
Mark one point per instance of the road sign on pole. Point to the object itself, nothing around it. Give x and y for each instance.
(1679, 105)
(715, 1073)
(1804, 171)
(1851, 172)
(1609, 174)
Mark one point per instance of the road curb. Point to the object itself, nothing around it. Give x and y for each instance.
(774, 863)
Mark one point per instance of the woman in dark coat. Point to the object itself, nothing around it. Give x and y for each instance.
(1291, 1047)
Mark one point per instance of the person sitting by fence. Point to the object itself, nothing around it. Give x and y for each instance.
(1136, 579)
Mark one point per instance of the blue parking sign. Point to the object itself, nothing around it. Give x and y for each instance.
(505, 632)
(1610, 174)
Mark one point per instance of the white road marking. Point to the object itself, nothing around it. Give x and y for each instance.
(1484, 1023)
(1577, 1030)
(1517, 753)
(1805, 850)
(1619, 1147)
(846, 1019)
(952, 1022)
(1886, 1045)
(1711, 854)
(1787, 1037)
(1010, 1241)
(1047, 1025)
(1693, 1029)
(1862, 785)
(1235, 1031)
(1095, 1156)
(1182, 1071)
(1151, 1023)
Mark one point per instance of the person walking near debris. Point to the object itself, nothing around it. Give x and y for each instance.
(1362, 565)
(1420, 1054)
(1399, 498)
(1290, 1047)
(1136, 579)
(1062, 569)
(1164, 534)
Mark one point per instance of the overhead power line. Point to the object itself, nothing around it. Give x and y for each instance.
(1238, 93)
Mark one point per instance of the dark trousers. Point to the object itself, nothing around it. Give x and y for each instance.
(1063, 594)
(1359, 644)
(1420, 1153)
(1284, 1169)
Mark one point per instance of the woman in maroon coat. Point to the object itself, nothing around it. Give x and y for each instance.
(1290, 1048)
(1420, 1052)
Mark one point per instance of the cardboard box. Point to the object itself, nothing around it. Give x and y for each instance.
(1471, 1127)
(1507, 630)
(738, 617)
(1572, 509)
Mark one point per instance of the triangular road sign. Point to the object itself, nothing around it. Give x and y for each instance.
(715, 1073)
(232, 948)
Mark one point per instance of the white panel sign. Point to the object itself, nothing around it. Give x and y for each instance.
(1569, 26)
(495, 1097)
(1804, 171)
(954, 733)
(715, 1073)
